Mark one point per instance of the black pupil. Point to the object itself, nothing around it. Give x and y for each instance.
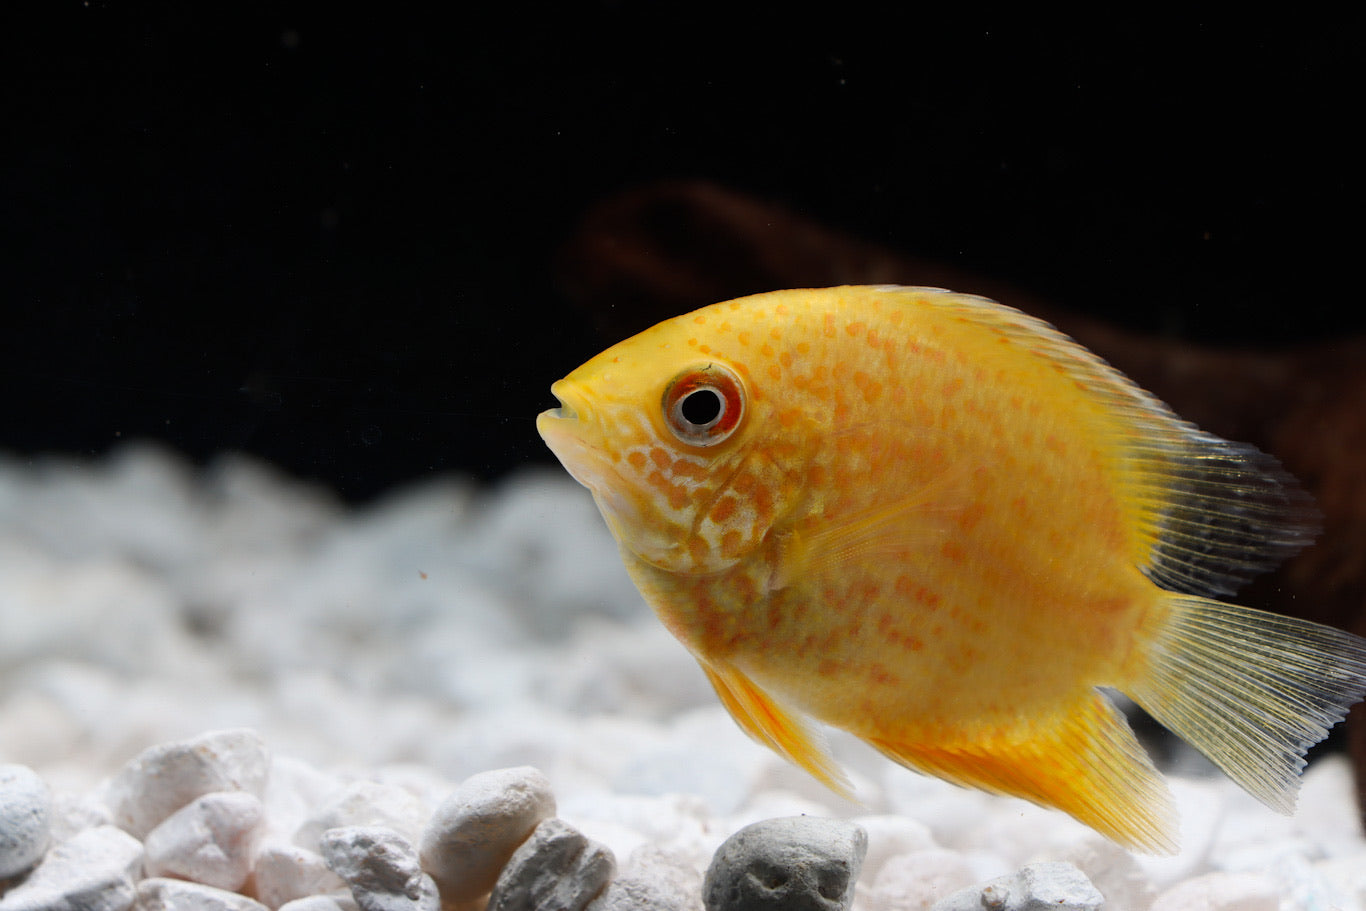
(701, 406)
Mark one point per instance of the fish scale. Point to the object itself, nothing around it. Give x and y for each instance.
(941, 525)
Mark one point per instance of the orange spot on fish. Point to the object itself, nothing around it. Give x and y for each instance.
(685, 468)
(953, 552)
(636, 459)
(870, 388)
(743, 339)
(829, 329)
(880, 675)
(723, 509)
(661, 458)
(856, 327)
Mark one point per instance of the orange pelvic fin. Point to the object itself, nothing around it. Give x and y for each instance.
(1088, 765)
(786, 734)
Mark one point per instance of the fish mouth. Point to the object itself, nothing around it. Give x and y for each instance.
(566, 411)
(569, 434)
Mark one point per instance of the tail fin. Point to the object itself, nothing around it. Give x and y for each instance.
(1251, 690)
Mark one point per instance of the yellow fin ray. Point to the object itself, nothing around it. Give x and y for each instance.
(1089, 765)
(1250, 689)
(767, 722)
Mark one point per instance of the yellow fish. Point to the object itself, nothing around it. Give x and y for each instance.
(940, 524)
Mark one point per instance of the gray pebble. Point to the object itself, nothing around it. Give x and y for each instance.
(25, 813)
(1053, 886)
(557, 867)
(794, 863)
(381, 868)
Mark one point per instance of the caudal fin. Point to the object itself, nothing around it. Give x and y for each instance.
(1250, 689)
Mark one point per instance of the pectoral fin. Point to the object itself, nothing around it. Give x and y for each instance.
(920, 520)
(767, 722)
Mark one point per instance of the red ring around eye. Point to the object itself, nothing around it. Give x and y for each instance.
(704, 405)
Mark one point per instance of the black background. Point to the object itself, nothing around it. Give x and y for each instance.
(328, 238)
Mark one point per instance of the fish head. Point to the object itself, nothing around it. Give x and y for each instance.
(676, 441)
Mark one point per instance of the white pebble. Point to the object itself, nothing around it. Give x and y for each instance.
(165, 778)
(1036, 887)
(889, 836)
(93, 871)
(25, 819)
(321, 903)
(1347, 876)
(287, 872)
(1220, 892)
(1112, 870)
(365, 803)
(476, 829)
(654, 879)
(177, 895)
(915, 881)
(381, 868)
(211, 840)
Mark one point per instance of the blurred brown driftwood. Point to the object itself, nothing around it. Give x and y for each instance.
(670, 248)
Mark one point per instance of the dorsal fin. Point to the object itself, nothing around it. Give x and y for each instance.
(1212, 514)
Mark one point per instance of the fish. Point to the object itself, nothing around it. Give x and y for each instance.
(940, 524)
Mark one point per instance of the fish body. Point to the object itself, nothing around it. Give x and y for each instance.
(939, 524)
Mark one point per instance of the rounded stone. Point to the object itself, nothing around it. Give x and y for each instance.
(793, 863)
(475, 830)
(25, 819)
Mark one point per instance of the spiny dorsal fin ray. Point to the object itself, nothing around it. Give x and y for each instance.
(1213, 514)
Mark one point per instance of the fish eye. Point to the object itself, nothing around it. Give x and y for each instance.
(703, 405)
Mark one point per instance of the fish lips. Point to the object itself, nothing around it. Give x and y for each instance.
(568, 432)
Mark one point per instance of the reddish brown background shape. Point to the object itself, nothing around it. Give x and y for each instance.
(669, 248)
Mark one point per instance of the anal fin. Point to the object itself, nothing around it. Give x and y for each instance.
(786, 734)
(1088, 764)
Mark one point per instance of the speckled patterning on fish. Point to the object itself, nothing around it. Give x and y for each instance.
(939, 524)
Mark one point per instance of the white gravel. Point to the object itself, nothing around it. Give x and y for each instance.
(384, 655)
